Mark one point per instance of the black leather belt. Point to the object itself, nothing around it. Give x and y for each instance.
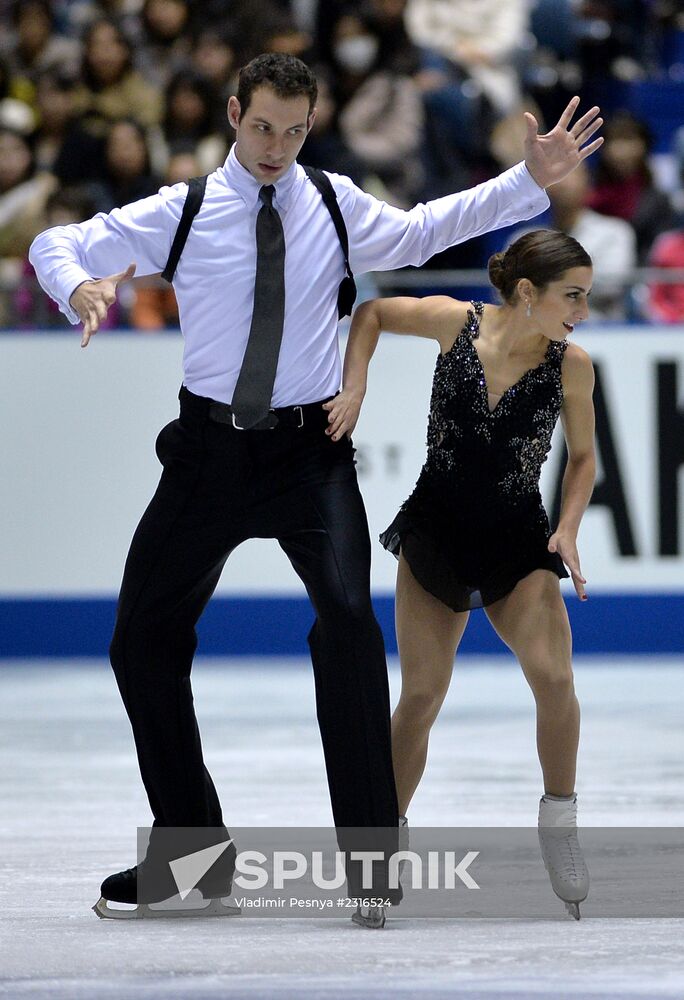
(294, 417)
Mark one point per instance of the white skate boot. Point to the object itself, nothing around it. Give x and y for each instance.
(561, 851)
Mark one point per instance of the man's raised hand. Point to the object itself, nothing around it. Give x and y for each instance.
(92, 299)
(553, 156)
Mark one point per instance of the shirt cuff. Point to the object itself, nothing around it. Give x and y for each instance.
(527, 185)
(70, 278)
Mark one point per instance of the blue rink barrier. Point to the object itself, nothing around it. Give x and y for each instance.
(278, 626)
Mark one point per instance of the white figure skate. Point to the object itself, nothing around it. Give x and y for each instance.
(561, 851)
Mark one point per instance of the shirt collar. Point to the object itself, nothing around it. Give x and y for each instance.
(248, 187)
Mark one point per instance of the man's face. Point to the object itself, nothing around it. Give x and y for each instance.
(271, 132)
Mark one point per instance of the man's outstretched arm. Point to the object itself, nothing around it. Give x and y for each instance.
(383, 237)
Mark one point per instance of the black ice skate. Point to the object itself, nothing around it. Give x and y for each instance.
(158, 895)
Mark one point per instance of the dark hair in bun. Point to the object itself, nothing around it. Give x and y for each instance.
(540, 256)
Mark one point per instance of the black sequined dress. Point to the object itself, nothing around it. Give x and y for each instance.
(475, 524)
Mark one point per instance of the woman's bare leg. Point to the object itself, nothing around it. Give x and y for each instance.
(533, 623)
(428, 634)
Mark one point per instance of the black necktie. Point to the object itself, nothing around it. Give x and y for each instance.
(254, 388)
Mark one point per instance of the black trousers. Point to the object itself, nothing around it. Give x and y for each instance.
(221, 486)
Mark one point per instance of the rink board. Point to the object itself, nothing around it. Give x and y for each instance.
(79, 468)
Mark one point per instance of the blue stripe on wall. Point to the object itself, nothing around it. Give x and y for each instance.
(278, 626)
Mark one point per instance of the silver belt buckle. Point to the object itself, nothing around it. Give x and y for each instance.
(301, 417)
(239, 428)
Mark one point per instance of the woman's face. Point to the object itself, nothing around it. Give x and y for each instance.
(106, 54)
(355, 47)
(626, 155)
(15, 160)
(126, 154)
(167, 18)
(187, 107)
(556, 311)
(214, 58)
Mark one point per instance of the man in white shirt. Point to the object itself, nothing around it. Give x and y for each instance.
(222, 483)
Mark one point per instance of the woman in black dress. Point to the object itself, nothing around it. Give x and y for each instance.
(474, 531)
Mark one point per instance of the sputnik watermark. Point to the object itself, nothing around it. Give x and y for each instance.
(438, 870)
(301, 871)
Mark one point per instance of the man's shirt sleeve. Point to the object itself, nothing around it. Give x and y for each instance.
(141, 233)
(382, 237)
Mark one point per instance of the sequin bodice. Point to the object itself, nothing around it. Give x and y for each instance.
(488, 456)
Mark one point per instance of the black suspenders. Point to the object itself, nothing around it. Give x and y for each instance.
(346, 295)
(193, 203)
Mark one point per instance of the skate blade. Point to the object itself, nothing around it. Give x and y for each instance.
(145, 911)
(374, 920)
(573, 909)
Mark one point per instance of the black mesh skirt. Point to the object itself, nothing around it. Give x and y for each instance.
(472, 562)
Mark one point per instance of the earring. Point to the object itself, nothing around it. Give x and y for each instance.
(528, 311)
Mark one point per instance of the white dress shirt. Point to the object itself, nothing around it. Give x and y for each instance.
(214, 281)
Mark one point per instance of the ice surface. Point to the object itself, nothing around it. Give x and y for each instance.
(72, 798)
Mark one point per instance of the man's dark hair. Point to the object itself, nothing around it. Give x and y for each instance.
(284, 74)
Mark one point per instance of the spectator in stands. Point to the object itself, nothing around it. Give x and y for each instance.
(128, 174)
(481, 37)
(23, 193)
(183, 164)
(325, 147)
(623, 182)
(110, 87)
(459, 116)
(35, 45)
(60, 143)
(282, 34)
(164, 47)
(609, 241)
(666, 301)
(78, 15)
(214, 55)
(193, 115)
(381, 113)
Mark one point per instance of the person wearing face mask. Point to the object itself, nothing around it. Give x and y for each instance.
(381, 115)
(474, 532)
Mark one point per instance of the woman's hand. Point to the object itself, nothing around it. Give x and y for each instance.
(343, 412)
(566, 547)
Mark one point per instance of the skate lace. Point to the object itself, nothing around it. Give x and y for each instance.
(571, 861)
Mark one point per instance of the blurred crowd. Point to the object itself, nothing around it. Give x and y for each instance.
(103, 103)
